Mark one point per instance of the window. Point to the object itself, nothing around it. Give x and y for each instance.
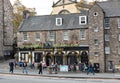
(37, 35)
(119, 50)
(25, 36)
(58, 21)
(96, 41)
(82, 34)
(52, 36)
(95, 29)
(107, 50)
(82, 20)
(107, 37)
(118, 22)
(110, 65)
(65, 35)
(96, 53)
(119, 37)
(95, 13)
(107, 23)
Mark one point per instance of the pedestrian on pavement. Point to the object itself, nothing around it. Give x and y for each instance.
(11, 65)
(56, 68)
(24, 67)
(74, 67)
(90, 69)
(40, 68)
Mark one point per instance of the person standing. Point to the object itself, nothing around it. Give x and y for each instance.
(40, 68)
(90, 69)
(24, 66)
(11, 65)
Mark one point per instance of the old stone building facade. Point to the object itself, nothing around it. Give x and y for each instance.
(6, 28)
(79, 37)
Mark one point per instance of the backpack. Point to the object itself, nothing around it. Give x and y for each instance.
(24, 64)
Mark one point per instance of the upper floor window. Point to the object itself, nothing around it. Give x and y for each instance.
(65, 35)
(37, 36)
(58, 21)
(95, 13)
(96, 41)
(52, 35)
(118, 22)
(107, 37)
(95, 29)
(82, 20)
(107, 50)
(119, 37)
(107, 23)
(25, 36)
(82, 34)
(119, 50)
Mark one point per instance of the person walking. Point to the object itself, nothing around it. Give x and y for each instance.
(90, 69)
(40, 68)
(11, 65)
(56, 68)
(24, 67)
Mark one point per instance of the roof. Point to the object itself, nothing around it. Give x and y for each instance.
(61, 2)
(48, 22)
(111, 8)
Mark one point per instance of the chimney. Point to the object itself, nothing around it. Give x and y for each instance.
(26, 14)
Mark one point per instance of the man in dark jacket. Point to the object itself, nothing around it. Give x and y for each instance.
(40, 68)
(11, 65)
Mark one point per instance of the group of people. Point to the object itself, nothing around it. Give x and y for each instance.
(83, 67)
(88, 69)
(24, 65)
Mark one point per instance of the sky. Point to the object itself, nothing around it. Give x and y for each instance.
(43, 7)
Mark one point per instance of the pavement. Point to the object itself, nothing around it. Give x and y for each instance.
(4, 69)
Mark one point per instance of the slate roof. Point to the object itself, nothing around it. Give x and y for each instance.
(48, 22)
(111, 8)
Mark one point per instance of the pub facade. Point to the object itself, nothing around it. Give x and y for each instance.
(70, 37)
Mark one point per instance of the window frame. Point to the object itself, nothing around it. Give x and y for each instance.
(82, 34)
(59, 21)
(52, 35)
(107, 50)
(82, 21)
(107, 23)
(25, 36)
(36, 36)
(65, 35)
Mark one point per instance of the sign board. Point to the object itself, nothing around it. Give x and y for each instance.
(63, 68)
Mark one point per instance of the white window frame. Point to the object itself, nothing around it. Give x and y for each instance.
(37, 36)
(118, 22)
(25, 36)
(82, 21)
(82, 34)
(65, 35)
(58, 21)
(52, 35)
(107, 50)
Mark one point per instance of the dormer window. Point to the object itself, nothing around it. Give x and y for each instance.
(82, 20)
(58, 21)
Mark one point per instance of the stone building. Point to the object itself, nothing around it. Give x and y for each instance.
(6, 28)
(80, 37)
